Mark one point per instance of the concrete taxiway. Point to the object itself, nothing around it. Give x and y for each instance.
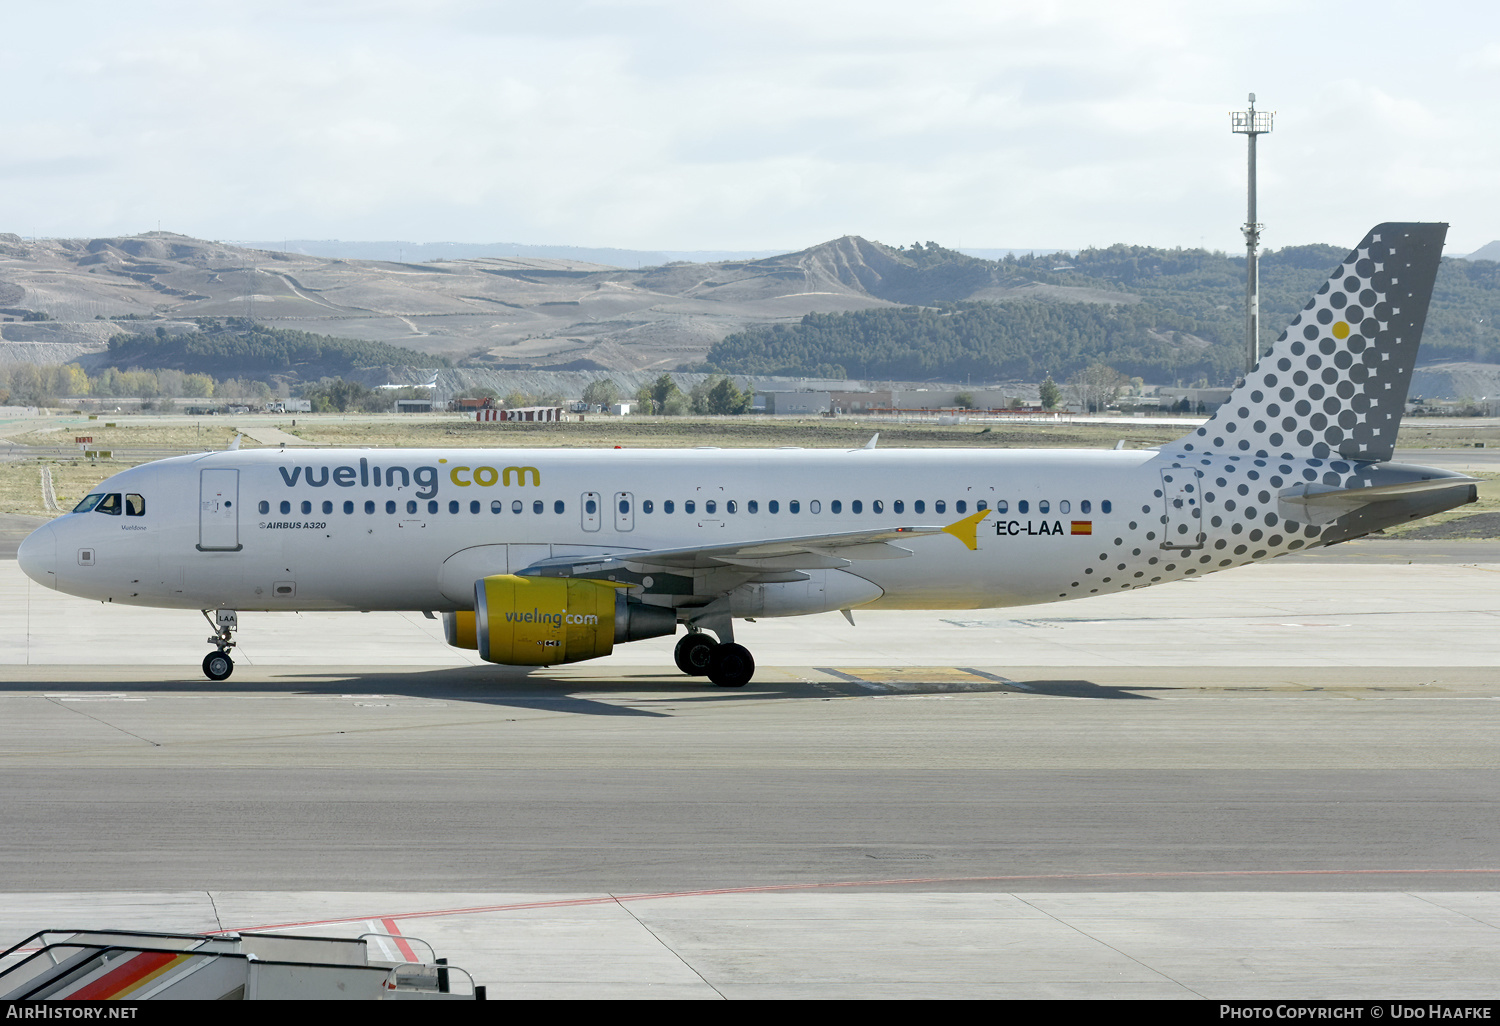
(1275, 782)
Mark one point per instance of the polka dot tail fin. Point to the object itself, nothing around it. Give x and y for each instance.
(1334, 384)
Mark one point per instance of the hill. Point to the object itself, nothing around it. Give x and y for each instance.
(1163, 315)
(1489, 251)
(241, 348)
(1177, 313)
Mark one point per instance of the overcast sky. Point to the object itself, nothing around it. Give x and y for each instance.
(699, 124)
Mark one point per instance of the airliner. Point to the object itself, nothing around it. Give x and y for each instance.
(537, 557)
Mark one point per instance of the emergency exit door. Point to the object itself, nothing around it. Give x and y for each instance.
(219, 511)
(1182, 496)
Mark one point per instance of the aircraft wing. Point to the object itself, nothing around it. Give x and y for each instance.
(799, 552)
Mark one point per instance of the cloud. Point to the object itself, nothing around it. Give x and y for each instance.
(684, 125)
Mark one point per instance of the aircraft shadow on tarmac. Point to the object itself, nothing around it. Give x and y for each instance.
(646, 694)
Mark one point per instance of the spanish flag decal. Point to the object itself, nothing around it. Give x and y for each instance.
(1083, 527)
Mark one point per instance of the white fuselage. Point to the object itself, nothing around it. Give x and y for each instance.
(407, 529)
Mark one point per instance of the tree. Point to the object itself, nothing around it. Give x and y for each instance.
(333, 395)
(662, 389)
(1095, 387)
(964, 400)
(1051, 394)
(603, 393)
(719, 396)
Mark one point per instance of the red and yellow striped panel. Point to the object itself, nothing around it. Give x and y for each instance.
(130, 977)
(1083, 527)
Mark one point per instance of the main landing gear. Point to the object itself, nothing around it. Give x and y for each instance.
(217, 665)
(727, 665)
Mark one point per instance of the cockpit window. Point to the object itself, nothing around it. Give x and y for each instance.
(135, 505)
(109, 504)
(88, 502)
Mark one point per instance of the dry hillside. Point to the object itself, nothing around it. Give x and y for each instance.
(554, 314)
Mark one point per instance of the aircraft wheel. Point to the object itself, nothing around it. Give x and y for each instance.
(732, 666)
(694, 653)
(217, 666)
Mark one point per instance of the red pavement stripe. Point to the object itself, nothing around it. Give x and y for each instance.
(610, 899)
(406, 951)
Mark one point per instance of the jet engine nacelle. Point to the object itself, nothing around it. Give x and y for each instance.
(539, 621)
(822, 592)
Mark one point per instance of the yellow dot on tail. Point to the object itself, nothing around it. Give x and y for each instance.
(1341, 330)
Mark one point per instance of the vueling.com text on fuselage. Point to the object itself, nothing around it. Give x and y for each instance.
(425, 478)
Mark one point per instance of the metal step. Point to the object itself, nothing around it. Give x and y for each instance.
(82, 965)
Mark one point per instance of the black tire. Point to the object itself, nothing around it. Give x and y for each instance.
(694, 653)
(217, 666)
(732, 666)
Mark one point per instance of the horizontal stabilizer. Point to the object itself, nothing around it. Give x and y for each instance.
(1321, 504)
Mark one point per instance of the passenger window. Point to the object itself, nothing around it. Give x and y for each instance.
(624, 506)
(899, 506)
(940, 506)
(286, 507)
(689, 506)
(1104, 506)
(390, 505)
(647, 506)
(1044, 506)
(591, 507)
(537, 506)
(327, 507)
(135, 505)
(816, 506)
(306, 507)
(474, 506)
(710, 506)
(981, 505)
(88, 502)
(411, 505)
(773, 506)
(857, 506)
(557, 507)
(515, 506)
(432, 506)
(878, 506)
(496, 506)
(111, 504)
(1064, 506)
(264, 507)
(369, 506)
(836, 506)
(668, 506)
(1003, 506)
(452, 505)
(795, 506)
(348, 505)
(1085, 506)
(732, 506)
(961, 506)
(920, 506)
(1023, 507)
(752, 506)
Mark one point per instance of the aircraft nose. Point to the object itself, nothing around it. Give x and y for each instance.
(37, 556)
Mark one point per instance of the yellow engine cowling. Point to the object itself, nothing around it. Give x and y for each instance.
(458, 628)
(539, 621)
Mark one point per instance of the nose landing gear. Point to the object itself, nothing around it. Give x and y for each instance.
(217, 665)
